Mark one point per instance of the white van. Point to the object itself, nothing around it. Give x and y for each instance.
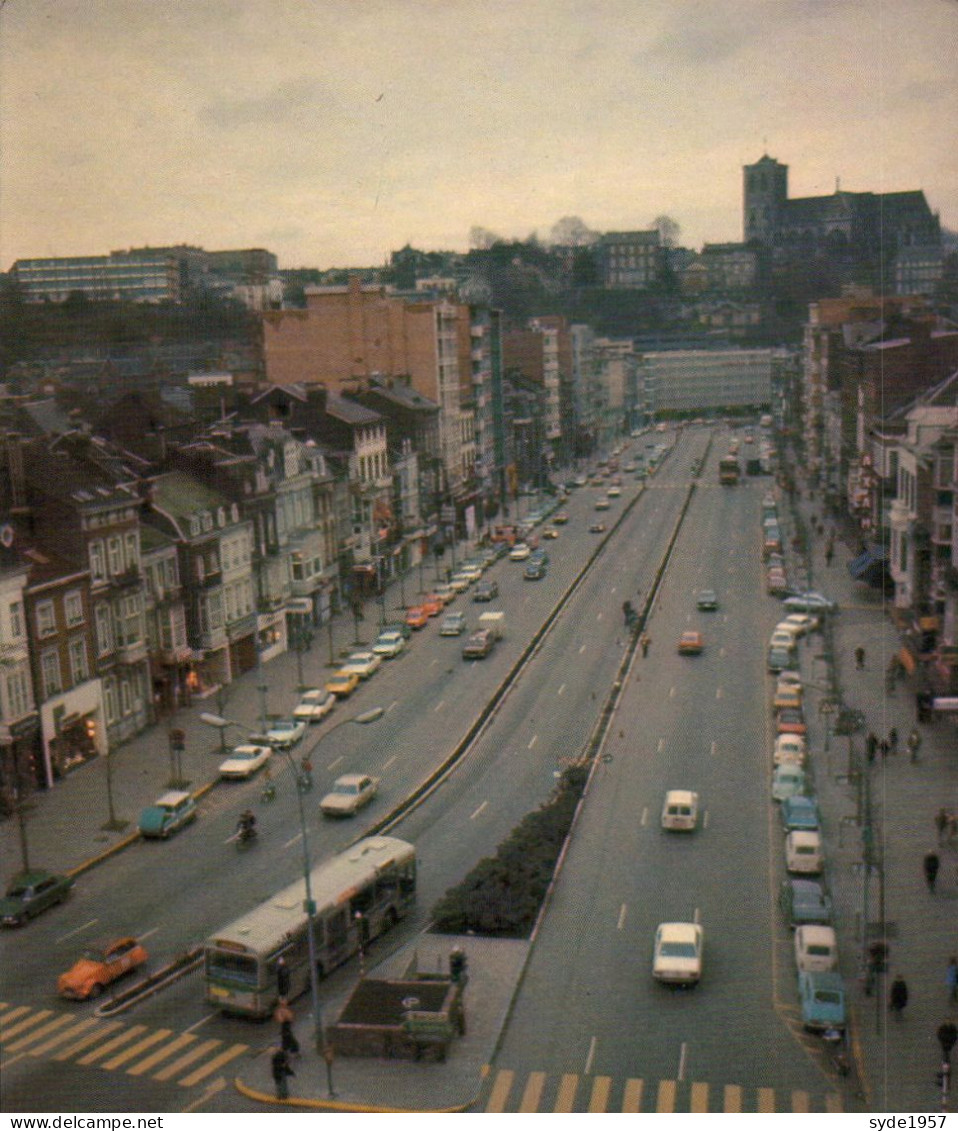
(680, 812)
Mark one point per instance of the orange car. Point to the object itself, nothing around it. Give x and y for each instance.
(416, 617)
(88, 976)
(431, 604)
(691, 643)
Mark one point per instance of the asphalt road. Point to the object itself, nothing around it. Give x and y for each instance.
(591, 1026)
(173, 894)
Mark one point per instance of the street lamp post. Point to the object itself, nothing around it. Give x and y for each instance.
(365, 717)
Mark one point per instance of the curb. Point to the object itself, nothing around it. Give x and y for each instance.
(344, 1107)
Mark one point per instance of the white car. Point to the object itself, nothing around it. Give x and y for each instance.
(460, 582)
(816, 949)
(389, 644)
(519, 552)
(809, 603)
(453, 624)
(244, 761)
(614, 492)
(286, 733)
(677, 953)
(445, 593)
(314, 705)
(349, 794)
(364, 664)
(781, 638)
(680, 811)
(789, 678)
(471, 570)
(801, 622)
(803, 853)
(789, 748)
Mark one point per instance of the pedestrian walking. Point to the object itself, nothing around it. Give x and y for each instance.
(871, 745)
(645, 642)
(860, 658)
(947, 1036)
(898, 996)
(951, 979)
(893, 740)
(914, 745)
(829, 554)
(884, 746)
(284, 1017)
(282, 1070)
(942, 819)
(931, 864)
(282, 978)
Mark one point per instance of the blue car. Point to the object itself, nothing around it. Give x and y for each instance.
(800, 813)
(822, 998)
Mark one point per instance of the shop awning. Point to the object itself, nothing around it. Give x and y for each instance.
(871, 566)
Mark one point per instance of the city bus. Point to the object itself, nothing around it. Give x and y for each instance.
(729, 470)
(357, 895)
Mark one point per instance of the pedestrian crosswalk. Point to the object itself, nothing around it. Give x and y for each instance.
(137, 1050)
(508, 1091)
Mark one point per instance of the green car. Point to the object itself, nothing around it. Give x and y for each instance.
(167, 814)
(29, 894)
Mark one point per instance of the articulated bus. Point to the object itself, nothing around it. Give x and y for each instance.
(357, 896)
(729, 470)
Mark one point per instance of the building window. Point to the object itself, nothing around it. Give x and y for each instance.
(79, 669)
(132, 541)
(50, 672)
(126, 697)
(109, 700)
(114, 555)
(46, 619)
(16, 620)
(18, 694)
(73, 606)
(97, 561)
(104, 630)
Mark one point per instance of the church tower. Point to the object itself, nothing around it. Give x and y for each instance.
(765, 191)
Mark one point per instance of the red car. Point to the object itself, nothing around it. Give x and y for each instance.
(432, 604)
(691, 643)
(790, 720)
(417, 617)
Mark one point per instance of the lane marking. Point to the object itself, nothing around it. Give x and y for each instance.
(683, 1055)
(76, 931)
(600, 1094)
(718, 693)
(439, 706)
(186, 1060)
(134, 1051)
(216, 1086)
(209, 1068)
(389, 761)
(732, 1100)
(532, 1093)
(394, 703)
(532, 742)
(561, 689)
(152, 931)
(632, 1096)
(661, 745)
(671, 692)
(500, 1090)
(699, 1099)
(581, 649)
(622, 913)
(293, 840)
(476, 813)
(202, 1021)
(153, 1059)
(712, 748)
(665, 1101)
(335, 762)
(645, 817)
(590, 1056)
(566, 1095)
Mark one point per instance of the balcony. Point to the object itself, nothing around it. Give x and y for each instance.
(127, 579)
(133, 653)
(211, 579)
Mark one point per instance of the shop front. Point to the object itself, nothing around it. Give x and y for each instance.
(73, 730)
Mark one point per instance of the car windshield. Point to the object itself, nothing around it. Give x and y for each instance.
(819, 950)
(244, 755)
(18, 891)
(677, 950)
(828, 997)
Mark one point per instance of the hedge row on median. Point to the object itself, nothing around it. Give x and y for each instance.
(502, 895)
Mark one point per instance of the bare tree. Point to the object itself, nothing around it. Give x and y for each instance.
(572, 231)
(483, 238)
(669, 230)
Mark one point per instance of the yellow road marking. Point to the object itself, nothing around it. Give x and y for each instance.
(99, 1032)
(766, 1100)
(16, 1011)
(187, 1059)
(567, 1089)
(142, 1066)
(632, 1097)
(135, 1050)
(666, 1097)
(66, 1035)
(800, 1102)
(105, 1050)
(217, 1062)
(833, 1103)
(39, 1034)
(533, 1092)
(699, 1099)
(732, 1100)
(28, 1023)
(500, 1090)
(599, 1099)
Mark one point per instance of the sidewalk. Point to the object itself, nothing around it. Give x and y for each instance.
(899, 1053)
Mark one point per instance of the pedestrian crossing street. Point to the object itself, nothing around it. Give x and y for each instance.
(508, 1091)
(159, 1054)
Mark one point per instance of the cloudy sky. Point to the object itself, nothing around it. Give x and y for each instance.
(334, 131)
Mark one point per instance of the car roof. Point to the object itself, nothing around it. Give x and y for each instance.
(804, 836)
(813, 932)
(681, 796)
(678, 930)
(351, 779)
(172, 797)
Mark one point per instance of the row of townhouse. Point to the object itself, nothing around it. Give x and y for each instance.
(879, 429)
(127, 587)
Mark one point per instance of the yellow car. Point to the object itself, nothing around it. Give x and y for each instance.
(342, 683)
(787, 697)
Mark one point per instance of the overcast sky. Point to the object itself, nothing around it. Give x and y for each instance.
(334, 131)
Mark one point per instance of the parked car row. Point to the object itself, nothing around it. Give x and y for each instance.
(803, 898)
